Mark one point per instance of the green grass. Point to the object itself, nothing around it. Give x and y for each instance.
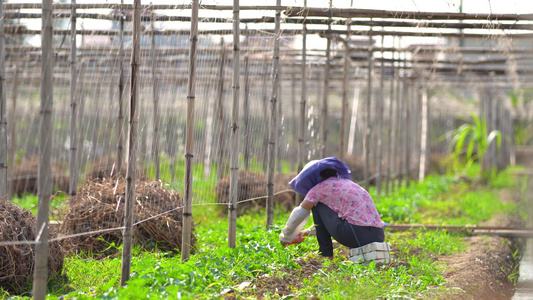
(215, 267)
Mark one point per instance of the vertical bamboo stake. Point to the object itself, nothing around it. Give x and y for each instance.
(366, 143)
(324, 114)
(379, 120)
(280, 125)
(246, 108)
(220, 113)
(292, 154)
(273, 122)
(303, 108)
(345, 87)
(265, 104)
(73, 169)
(13, 139)
(120, 117)
(3, 111)
(397, 121)
(417, 132)
(408, 130)
(81, 114)
(189, 139)
(155, 98)
(353, 120)
(234, 176)
(424, 135)
(209, 129)
(40, 272)
(390, 148)
(132, 144)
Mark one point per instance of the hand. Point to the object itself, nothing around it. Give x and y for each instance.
(300, 237)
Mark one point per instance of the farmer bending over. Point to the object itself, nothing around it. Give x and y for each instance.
(341, 208)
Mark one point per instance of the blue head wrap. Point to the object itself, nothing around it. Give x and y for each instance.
(310, 174)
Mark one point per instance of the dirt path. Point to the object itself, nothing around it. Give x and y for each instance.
(488, 268)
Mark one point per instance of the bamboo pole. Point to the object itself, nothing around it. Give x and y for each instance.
(294, 138)
(121, 86)
(209, 127)
(390, 148)
(220, 114)
(246, 109)
(273, 122)
(411, 93)
(13, 137)
(3, 112)
(40, 272)
(132, 145)
(73, 168)
(280, 126)
(265, 105)
(345, 87)
(424, 135)
(189, 140)
(353, 120)
(397, 123)
(303, 108)
(234, 159)
(155, 99)
(81, 114)
(366, 144)
(323, 129)
(379, 120)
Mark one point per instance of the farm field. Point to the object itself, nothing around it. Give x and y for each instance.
(146, 149)
(427, 264)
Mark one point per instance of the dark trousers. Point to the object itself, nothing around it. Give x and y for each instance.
(328, 225)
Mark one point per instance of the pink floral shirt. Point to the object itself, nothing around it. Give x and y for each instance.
(348, 199)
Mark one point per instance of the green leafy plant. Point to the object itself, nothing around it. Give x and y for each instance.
(471, 142)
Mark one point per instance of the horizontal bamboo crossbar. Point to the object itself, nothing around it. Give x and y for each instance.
(474, 230)
(483, 24)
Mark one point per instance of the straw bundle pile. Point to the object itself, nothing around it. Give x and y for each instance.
(99, 205)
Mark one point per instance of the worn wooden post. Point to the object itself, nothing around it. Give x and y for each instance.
(73, 168)
(323, 129)
(155, 99)
(368, 109)
(121, 83)
(273, 122)
(3, 111)
(189, 140)
(132, 145)
(40, 271)
(424, 135)
(234, 159)
(345, 87)
(13, 136)
(220, 113)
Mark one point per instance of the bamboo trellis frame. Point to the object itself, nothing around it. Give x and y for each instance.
(402, 71)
